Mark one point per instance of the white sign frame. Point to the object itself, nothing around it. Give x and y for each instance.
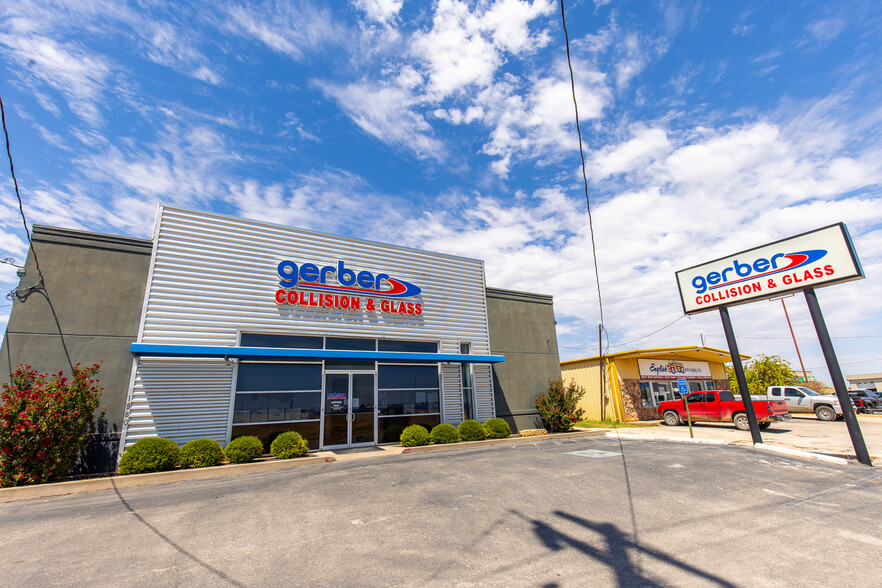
(821, 257)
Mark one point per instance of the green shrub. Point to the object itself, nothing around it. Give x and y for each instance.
(289, 444)
(414, 436)
(496, 429)
(558, 406)
(45, 423)
(201, 453)
(444, 433)
(470, 430)
(244, 449)
(153, 454)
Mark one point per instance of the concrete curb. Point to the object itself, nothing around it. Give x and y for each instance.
(801, 453)
(153, 478)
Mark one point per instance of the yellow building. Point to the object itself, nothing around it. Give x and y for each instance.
(636, 381)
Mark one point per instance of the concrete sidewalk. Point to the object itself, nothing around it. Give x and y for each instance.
(265, 464)
(802, 432)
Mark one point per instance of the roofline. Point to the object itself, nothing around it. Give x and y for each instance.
(657, 350)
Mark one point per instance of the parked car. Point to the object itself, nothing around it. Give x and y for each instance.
(863, 401)
(719, 406)
(801, 399)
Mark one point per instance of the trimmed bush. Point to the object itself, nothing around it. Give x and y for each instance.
(497, 429)
(470, 430)
(244, 449)
(444, 433)
(153, 454)
(201, 453)
(414, 436)
(289, 444)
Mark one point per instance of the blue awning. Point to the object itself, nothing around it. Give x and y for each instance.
(164, 350)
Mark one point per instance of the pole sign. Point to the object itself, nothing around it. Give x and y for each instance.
(817, 258)
(682, 387)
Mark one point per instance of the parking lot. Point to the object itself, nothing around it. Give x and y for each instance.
(803, 431)
(554, 512)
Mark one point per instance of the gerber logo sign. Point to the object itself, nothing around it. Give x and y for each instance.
(817, 258)
(339, 287)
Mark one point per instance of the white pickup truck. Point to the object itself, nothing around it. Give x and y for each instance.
(801, 399)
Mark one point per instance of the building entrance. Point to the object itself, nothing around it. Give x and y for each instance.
(349, 415)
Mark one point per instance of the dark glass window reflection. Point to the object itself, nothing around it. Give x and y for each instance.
(283, 341)
(279, 376)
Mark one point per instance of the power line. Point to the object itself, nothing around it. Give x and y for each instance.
(40, 286)
(582, 155)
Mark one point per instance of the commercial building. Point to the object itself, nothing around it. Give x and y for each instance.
(865, 382)
(220, 327)
(634, 382)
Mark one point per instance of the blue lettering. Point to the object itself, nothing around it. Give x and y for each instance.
(365, 279)
(725, 271)
(288, 273)
(742, 266)
(775, 258)
(309, 272)
(378, 279)
(761, 265)
(328, 269)
(345, 277)
(713, 278)
(699, 284)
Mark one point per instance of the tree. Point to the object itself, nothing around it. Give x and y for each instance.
(558, 407)
(762, 372)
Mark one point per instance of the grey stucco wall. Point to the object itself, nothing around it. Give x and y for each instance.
(521, 329)
(96, 285)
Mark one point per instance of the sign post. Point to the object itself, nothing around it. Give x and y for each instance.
(800, 263)
(683, 388)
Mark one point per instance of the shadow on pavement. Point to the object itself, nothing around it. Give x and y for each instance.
(174, 545)
(615, 551)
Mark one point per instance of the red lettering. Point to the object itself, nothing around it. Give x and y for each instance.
(280, 296)
(786, 279)
(828, 269)
(807, 276)
(757, 287)
(819, 273)
(344, 302)
(292, 297)
(707, 298)
(418, 309)
(328, 301)
(303, 301)
(384, 306)
(354, 303)
(410, 308)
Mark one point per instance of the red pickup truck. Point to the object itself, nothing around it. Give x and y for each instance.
(721, 405)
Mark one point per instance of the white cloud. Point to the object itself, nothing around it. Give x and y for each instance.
(71, 70)
(645, 145)
(387, 113)
(827, 29)
(294, 29)
(382, 11)
(466, 47)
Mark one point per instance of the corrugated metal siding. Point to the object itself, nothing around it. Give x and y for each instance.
(213, 276)
(485, 407)
(587, 375)
(451, 393)
(180, 400)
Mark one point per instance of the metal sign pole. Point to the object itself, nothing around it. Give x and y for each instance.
(739, 375)
(683, 388)
(854, 429)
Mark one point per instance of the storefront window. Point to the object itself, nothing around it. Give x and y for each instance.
(347, 344)
(284, 341)
(276, 397)
(645, 395)
(407, 346)
(407, 394)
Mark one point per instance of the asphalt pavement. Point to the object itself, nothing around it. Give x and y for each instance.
(555, 512)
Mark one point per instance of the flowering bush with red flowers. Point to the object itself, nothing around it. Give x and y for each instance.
(45, 423)
(558, 406)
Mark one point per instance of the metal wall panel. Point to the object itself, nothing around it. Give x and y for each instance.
(213, 276)
(485, 407)
(451, 393)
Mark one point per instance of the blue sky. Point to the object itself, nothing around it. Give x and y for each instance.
(709, 128)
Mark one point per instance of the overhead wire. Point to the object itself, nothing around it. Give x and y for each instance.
(40, 286)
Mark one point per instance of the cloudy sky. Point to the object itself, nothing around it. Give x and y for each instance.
(708, 128)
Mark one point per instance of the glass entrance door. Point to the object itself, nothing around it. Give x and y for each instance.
(349, 410)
